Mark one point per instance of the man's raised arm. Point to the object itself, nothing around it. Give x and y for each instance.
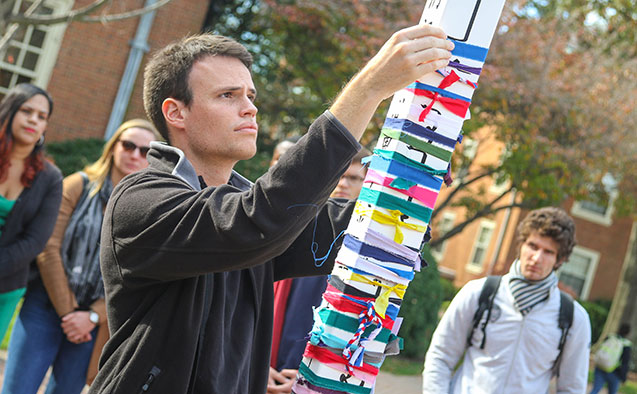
(407, 55)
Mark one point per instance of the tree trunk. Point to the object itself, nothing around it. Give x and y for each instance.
(624, 307)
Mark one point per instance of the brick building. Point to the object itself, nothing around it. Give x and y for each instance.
(488, 245)
(82, 64)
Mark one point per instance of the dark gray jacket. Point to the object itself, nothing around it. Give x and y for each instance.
(189, 272)
(29, 226)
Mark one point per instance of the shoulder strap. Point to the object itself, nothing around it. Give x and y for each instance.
(564, 322)
(485, 303)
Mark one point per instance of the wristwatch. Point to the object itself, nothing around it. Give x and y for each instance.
(94, 317)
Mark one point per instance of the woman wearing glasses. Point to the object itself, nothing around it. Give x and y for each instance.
(62, 322)
(30, 191)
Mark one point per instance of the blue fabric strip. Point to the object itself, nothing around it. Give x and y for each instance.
(442, 92)
(360, 269)
(418, 130)
(395, 168)
(388, 201)
(469, 51)
(364, 249)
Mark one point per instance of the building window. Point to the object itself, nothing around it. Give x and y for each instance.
(443, 226)
(598, 212)
(578, 272)
(469, 151)
(481, 246)
(31, 53)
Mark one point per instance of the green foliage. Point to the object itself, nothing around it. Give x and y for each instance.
(72, 155)
(420, 310)
(598, 312)
(628, 388)
(401, 365)
(448, 289)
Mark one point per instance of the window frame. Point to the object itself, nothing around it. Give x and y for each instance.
(594, 257)
(475, 267)
(47, 52)
(447, 216)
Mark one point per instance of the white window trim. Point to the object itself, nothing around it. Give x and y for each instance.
(594, 256)
(51, 45)
(605, 220)
(477, 268)
(439, 255)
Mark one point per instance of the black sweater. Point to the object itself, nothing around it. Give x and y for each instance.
(29, 226)
(189, 273)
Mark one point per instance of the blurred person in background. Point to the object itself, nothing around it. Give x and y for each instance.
(30, 191)
(62, 322)
(294, 298)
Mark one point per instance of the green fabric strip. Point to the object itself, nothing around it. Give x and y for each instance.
(417, 143)
(350, 324)
(331, 384)
(388, 201)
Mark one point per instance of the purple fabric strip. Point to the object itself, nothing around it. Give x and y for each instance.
(306, 383)
(463, 67)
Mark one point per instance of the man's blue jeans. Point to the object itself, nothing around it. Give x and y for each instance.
(602, 378)
(38, 342)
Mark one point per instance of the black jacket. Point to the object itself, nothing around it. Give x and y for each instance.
(29, 226)
(189, 273)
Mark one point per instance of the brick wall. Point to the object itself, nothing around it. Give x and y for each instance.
(92, 59)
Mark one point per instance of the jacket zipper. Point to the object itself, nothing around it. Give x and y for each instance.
(515, 351)
(152, 375)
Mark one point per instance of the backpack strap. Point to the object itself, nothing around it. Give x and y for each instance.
(565, 321)
(485, 303)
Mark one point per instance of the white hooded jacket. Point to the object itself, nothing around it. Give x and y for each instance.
(519, 351)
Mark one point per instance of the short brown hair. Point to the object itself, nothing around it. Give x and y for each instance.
(166, 74)
(550, 222)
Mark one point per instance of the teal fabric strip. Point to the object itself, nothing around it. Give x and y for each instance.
(388, 201)
(331, 384)
(401, 183)
(393, 155)
(350, 324)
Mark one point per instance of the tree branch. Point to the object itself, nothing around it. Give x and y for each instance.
(462, 186)
(13, 28)
(82, 15)
(53, 19)
(125, 15)
(486, 210)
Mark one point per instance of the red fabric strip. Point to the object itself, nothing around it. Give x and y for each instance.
(325, 355)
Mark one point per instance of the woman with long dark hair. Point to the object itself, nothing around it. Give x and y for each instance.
(30, 191)
(62, 322)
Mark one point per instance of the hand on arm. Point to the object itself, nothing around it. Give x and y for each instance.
(77, 326)
(281, 382)
(407, 56)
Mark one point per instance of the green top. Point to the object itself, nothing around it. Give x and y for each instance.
(5, 208)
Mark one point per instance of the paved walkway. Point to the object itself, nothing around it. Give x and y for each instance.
(385, 383)
(394, 384)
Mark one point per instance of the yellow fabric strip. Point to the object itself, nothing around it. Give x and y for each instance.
(382, 301)
(393, 219)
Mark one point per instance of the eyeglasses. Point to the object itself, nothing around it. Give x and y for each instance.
(131, 146)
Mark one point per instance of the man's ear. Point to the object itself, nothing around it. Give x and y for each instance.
(173, 111)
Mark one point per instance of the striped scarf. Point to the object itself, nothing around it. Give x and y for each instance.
(81, 244)
(529, 293)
